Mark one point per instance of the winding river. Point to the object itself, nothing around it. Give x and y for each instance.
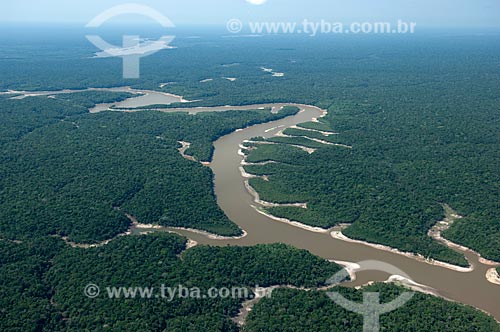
(466, 287)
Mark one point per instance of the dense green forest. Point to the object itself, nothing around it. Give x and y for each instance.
(19, 117)
(24, 294)
(70, 172)
(295, 310)
(421, 113)
(43, 281)
(391, 184)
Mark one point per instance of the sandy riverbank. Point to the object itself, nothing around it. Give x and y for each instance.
(350, 268)
(337, 234)
(281, 134)
(408, 283)
(493, 276)
(290, 222)
(262, 292)
(436, 233)
(93, 245)
(135, 228)
(304, 148)
(190, 244)
(256, 196)
(207, 234)
(182, 151)
(324, 133)
(487, 261)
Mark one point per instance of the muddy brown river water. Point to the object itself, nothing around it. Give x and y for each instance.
(232, 196)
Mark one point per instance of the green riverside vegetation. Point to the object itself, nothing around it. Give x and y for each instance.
(294, 310)
(344, 185)
(420, 112)
(43, 282)
(76, 174)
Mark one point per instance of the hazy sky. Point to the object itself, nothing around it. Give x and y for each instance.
(425, 12)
